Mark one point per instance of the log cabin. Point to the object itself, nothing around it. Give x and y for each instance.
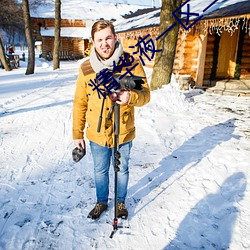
(74, 41)
(77, 17)
(216, 48)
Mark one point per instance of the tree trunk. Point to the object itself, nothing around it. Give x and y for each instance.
(56, 59)
(28, 33)
(3, 57)
(164, 60)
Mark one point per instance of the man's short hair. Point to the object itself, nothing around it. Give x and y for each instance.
(100, 25)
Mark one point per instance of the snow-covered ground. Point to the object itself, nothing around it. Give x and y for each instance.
(189, 170)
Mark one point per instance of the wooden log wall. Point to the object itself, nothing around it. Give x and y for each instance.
(47, 45)
(126, 43)
(66, 44)
(245, 61)
(79, 46)
(178, 61)
(131, 38)
(73, 45)
(50, 22)
(209, 57)
(186, 55)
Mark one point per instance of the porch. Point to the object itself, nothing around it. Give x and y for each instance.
(231, 87)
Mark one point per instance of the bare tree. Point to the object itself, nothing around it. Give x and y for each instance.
(36, 3)
(56, 59)
(11, 24)
(3, 57)
(28, 33)
(164, 60)
(11, 16)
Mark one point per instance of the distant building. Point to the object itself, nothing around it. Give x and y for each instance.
(77, 19)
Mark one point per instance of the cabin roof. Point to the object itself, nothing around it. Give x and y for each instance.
(221, 8)
(236, 9)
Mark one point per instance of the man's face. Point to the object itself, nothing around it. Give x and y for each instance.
(104, 42)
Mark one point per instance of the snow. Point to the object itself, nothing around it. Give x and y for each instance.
(84, 33)
(207, 6)
(155, 3)
(189, 169)
(86, 10)
(148, 19)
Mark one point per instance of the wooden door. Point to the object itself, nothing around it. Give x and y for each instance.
(227, 55)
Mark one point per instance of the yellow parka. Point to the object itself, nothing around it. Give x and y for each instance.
(87, 106)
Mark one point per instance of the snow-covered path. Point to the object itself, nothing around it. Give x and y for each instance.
(189, 171)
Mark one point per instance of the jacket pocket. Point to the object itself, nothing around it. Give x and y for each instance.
(126, 119)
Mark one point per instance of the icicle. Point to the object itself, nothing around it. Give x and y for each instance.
(235, 25)
(230, 27)
(246, 25)
(219, 30)
(205, 29)
(211, 27)
(249, 30)
(244, 20)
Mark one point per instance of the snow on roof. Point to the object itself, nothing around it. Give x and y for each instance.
(207, 6)
(80, 32)
(85, 10)
(239, 8)
(219, 7)
(145, 20)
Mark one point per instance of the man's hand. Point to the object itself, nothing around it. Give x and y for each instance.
(79, 143)
(123, 97)
(79, 151)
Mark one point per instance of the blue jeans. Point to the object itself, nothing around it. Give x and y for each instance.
(102, 158)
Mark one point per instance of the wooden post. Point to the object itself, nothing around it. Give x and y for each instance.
(201, 60)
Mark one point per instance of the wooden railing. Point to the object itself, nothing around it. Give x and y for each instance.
(64, 55)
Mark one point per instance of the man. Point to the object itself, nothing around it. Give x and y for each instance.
(107, 51)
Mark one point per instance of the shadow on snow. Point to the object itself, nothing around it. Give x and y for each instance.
(23, 110)
(209, 222)
(209, 225)
(190, 153)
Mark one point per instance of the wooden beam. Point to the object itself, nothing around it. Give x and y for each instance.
(201, 60)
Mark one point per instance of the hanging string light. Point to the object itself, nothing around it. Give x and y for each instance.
(219, 25)
(246, 25)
